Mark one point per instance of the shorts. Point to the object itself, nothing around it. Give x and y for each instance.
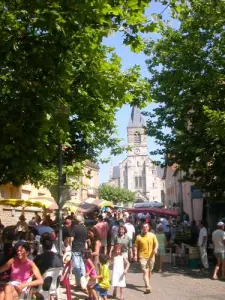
(104, 243)
(147, 264)
(101, 291)
(92, 281)
(220, 255)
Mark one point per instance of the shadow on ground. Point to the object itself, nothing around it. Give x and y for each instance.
(168, 270)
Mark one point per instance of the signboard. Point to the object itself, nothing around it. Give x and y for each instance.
(196, 193)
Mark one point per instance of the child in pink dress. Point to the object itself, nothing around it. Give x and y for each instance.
(90, 271)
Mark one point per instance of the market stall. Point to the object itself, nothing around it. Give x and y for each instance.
(156, 211)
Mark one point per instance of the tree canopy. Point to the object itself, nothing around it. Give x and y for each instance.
(116, 194)
(188, 81)
(58, 83)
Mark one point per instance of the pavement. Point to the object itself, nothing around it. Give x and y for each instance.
(172, 284)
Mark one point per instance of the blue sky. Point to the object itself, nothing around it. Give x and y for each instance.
(129, 59)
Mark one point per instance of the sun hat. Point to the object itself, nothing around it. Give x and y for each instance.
(220, 223)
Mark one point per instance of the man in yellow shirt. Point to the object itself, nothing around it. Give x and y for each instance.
(146, 246)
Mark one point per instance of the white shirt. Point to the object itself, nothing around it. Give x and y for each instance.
(143, 216)
(203, 233)
(130, 230)
(126, 214)
(218, 236)
(40, 250)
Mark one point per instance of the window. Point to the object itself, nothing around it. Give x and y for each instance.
(137, 163)
(154, 185)
(138, 182)
(137, 138)
(153, 172)
(25, 195)
(91, 185)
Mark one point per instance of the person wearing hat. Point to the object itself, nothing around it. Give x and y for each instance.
(218, 238)
(79, 236)
(21, 228)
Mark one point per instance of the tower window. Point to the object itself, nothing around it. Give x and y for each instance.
(137, 138)
(154, 185)
(138, 182)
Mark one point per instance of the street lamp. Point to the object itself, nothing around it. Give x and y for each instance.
(60, 184)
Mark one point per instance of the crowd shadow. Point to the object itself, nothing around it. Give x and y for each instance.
(134, 267)
(139, 288)
(168, 271)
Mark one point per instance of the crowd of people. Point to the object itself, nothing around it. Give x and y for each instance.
(114, 239)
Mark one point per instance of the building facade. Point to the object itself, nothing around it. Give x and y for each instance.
(10, 215)
(88, 188)
(89, 182)
(178, 193)
(137, 172)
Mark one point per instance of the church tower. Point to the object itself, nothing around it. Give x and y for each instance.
(137, 172)
(133, 168)
(136, 135)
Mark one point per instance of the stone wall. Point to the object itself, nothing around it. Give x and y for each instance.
(10, 216)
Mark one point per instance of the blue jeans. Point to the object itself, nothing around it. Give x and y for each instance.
(78, 266)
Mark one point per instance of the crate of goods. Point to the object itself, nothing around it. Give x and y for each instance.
(193, 253)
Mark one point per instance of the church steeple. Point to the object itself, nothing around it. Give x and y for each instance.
(136, 134)
(136, 118)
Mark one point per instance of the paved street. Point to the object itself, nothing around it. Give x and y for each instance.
(173, 284)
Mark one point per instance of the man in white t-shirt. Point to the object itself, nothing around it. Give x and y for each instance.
(130, 228)
(218, 238)
(131, 233)
(202, 244)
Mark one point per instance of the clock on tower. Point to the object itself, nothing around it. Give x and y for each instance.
(136, 150)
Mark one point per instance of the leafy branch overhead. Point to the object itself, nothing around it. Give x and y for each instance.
(188, 74)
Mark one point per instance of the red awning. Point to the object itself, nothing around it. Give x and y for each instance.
(156, 211)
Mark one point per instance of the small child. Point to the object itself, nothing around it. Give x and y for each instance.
(103, 279)
(161, 237)
(66, 250)
(90, 271)
(120, 268)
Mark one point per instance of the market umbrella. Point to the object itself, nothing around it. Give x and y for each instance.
(41, 202)
(72, 205)
(76, 206)
(106, 203)
(46, 202)
(42, 229)
(156, 211)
